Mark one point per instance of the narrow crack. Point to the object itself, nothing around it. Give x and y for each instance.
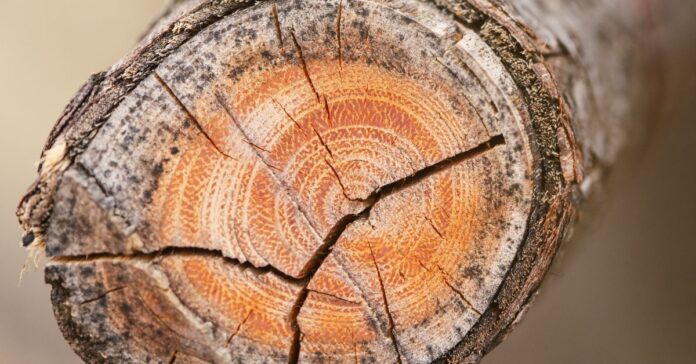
(422, 265)
(160, 320)
(188, 113)
(333, 296)
(328, 111)
(432, 225)
(445, 275)
(276, 24)
(239, 328)
(84, 170)
(455, 74)
(339, 16)
(390, 329)
(305, 69)
(274, 169)
(285, 111)
(173, 357)
(457, 291)
(257, 146)
(90, 176)
(340, 182)
(323, 143)
(102, 295)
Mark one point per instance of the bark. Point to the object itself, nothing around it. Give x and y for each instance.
(331, 180)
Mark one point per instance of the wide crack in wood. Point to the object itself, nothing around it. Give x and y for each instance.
(432, 169)
(323, 252)
(311, 268)
(181, 252)
(294, 352)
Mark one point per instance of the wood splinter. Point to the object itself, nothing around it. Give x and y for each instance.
(320, 181)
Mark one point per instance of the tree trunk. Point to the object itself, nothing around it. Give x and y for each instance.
(330, 181)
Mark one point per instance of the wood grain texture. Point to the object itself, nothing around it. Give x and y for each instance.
(321, 181)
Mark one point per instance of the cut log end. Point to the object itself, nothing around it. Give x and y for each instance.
(315, 181)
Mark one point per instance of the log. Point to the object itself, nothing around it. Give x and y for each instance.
(330, 181)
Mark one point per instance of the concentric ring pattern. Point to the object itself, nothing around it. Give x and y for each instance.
(358, 192)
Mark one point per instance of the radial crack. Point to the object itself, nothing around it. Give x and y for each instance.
(239, 328)
(339, 15)
(328, 111)
(274, 169)
(285, 111)
(455, 74)
(447, 283)
(458, 292)
(432, 224)
(323, 252)
(256, 146)
(178, 251)
(276, 24)
(323, 143)
(294, 353)
(314, 263)
(333, 296)
(91, 175)
(160, 320)
(340, 183)
(310, 269)
(172, 359)
(102, 295)
(432, 169)
(305, 69)
(390, 329)
(188, 113)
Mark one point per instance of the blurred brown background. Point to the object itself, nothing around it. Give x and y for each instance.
(623, 292)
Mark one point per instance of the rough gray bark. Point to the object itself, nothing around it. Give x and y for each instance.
(554, 86)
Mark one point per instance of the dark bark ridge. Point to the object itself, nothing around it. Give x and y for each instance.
(552, 210)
